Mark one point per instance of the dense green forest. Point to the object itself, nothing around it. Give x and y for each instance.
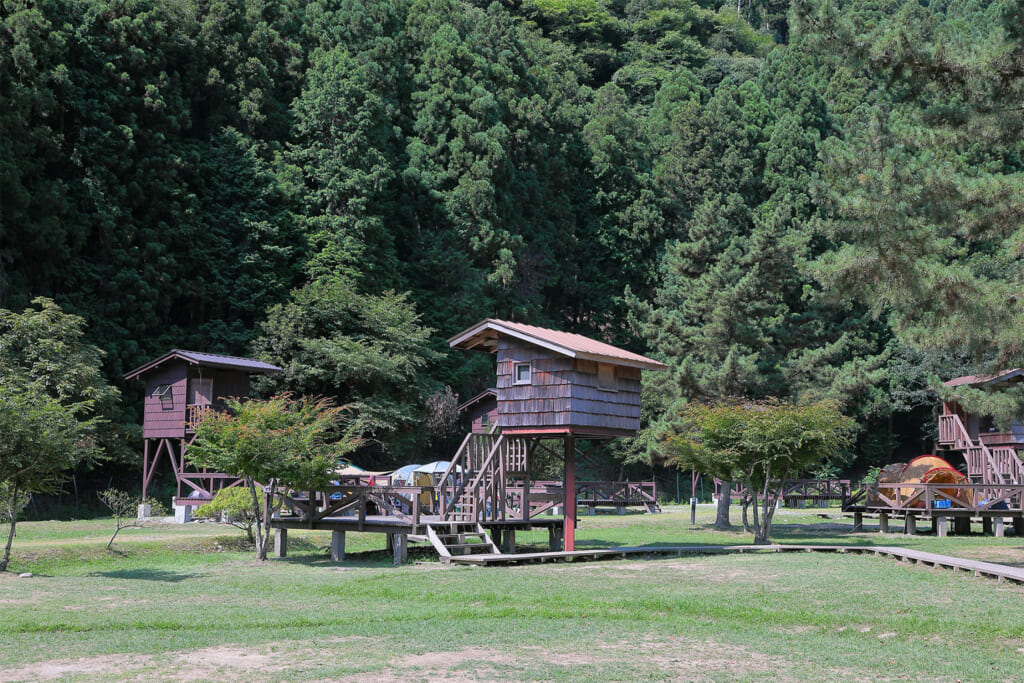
(808, 200)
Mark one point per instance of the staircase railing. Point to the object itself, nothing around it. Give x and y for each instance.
(980, 460)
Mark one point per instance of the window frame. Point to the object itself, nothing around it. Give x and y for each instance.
(516, 379)
(165, 394)
(602, 379)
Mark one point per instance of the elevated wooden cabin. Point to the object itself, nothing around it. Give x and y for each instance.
(180, 387)
(550, 385)
(990, 454)
(557, 383)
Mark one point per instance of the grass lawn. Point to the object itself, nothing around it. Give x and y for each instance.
(187, 603)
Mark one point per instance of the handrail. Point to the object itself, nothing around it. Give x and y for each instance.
(963, 441)
(961, 497)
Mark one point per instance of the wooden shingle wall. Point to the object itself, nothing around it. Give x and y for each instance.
(563, 392)
(593, 406)
(546, 402)
(159, 422)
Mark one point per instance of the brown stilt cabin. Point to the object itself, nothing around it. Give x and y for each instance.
(550, 385)
(181, 386)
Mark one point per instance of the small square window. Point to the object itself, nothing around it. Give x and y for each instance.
(606, 377)
(166, 396)
(521, 374)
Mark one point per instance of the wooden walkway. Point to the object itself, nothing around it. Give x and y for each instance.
(990, 570)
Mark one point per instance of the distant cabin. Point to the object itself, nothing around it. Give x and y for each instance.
(981, 427)
(480, 413)
(180, 385)
(559, 383)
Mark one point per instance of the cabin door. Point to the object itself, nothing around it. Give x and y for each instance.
(202, 392)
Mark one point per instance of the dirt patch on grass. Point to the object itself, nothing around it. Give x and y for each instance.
(106, 665)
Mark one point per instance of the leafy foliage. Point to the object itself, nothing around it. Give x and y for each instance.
(761, 444)
(299, 441)
(233, 506)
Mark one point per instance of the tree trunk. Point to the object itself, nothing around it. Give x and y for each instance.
(722, 511)
(746, 509)
(10, 536)
(262, 532)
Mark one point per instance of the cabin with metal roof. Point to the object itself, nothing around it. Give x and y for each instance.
(181, 387)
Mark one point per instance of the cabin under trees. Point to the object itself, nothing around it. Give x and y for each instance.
(990, 454)
(181, 387)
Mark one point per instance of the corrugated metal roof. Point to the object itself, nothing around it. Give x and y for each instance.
(217, 360)
(1000, 376)
(485, 333)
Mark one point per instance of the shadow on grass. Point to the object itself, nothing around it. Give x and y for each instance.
(146, 575)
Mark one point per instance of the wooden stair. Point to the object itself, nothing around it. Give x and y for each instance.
(999, 465)
(460, 538)
(474, 488)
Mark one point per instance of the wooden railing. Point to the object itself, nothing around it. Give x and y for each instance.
(616, 493)
(814, 491)
(194, 414)
(954, 497)
(476, 484)
(410, 504)
(1000, 465)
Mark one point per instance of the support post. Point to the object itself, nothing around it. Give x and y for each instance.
(337, 546)
(910, 524)
(569, 514)
(997, 524)
(858, 522)
(941, 526)
(508, 541)
(986, 525)
(883, 522)
(1018, 526)
(280, 542)
(400, 543)
(147, 469)
(962, 526)
(554, 539)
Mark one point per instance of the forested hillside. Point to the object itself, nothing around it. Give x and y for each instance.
(806, 201)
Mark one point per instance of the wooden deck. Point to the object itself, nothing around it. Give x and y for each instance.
(990, 570)
(940, 503)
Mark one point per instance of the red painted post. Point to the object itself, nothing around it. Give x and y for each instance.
(569, 528)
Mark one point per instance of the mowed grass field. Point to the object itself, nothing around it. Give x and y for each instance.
(183, 603)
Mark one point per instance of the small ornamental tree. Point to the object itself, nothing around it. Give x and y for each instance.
(235, 506)
(298, 441)
(763, 443)
(123, 506)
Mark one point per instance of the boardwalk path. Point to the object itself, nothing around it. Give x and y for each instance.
(987, 569)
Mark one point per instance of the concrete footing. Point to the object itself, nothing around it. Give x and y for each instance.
(280, 543)
(337, 546)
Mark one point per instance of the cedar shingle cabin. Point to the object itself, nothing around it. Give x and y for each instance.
(481, 411)
(991, 455)
(553, 384)
(181, 386)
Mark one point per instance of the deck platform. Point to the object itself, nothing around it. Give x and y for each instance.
(991, 570)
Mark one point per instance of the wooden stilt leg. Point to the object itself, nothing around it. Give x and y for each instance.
(569, 513)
